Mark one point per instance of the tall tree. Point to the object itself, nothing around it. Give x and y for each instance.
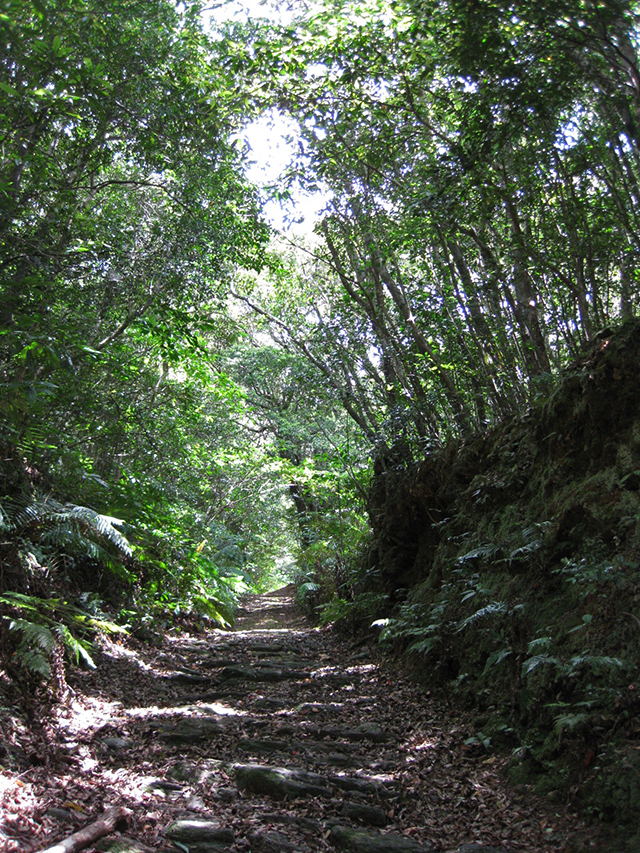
(124, 211)
(477, 154)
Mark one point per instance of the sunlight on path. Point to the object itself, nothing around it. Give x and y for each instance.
(271, 611)
(275, 737)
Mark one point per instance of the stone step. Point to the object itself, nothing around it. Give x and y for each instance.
(189, 730)
(261, 673)
(365, 841)
(280, 782)
(200, 835)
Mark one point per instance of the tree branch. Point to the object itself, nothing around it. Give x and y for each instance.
(105, 825)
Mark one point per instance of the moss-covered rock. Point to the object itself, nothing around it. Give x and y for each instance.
(281, 782)
(613, 790)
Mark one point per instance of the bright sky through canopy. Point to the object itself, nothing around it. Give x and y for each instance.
(272, 140)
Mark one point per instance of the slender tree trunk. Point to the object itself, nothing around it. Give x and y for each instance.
(526, 301)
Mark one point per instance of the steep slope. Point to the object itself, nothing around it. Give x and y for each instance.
(512, 560)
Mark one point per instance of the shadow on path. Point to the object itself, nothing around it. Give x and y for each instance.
(275, 736)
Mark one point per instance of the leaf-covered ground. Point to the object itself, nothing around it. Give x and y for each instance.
(275, 736)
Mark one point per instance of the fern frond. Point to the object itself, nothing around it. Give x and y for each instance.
(33, 514)
(77, 647)
(493, 609)
(490, 550)
(104, 525)
(569, 722)
(34, 634)
(18, 599)
(598, 664)
(46, 619)
(496, 658)
(211, 608)
(65, 525)
(423, 647)
(34, 661)
(539, 643)
(539, 660)
(525, 551)
(36, 645)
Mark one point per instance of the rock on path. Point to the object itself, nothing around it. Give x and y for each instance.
(278, 736)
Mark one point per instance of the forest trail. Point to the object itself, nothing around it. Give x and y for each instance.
(275, 736)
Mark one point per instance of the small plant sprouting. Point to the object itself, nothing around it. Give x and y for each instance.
(479, 739)
(591, 576)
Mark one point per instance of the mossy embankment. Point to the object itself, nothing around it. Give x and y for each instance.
(512, 560)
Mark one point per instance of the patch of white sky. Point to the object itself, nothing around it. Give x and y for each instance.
(272, 142)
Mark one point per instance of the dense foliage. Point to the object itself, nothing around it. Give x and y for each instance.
(483, 163)
(155, 450)
(124, 215)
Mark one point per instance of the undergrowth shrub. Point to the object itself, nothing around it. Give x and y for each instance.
(44, 543)
(182, 575)
(334, 582)
(544, 657)
(354, 612)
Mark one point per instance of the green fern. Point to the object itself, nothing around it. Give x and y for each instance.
(424, 624)
(55, 610)
(542, 643)
(69, 524)
(524, 551)
(424, 646)
(47, 623)
(213, 609)
(496, 658)
(496, 607)
(570, 722)
(36, 646)
(535, 661)
(597, 664)
(488, 551)
(77, 647)
(43, 531)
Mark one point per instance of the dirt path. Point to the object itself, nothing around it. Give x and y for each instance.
(273, 737)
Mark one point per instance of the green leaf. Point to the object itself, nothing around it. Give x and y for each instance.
(534, 662)
(9, 90)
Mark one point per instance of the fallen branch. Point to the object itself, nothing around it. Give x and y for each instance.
(107, 823)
